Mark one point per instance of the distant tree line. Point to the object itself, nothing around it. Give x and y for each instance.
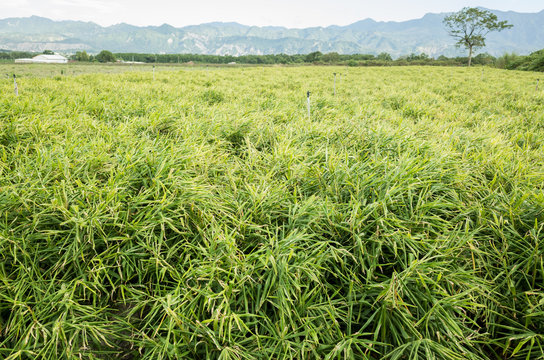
(12, 55)
(532, 62)
(271, 59)
(317, 58)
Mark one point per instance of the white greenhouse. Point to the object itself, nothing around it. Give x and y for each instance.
(44, 59)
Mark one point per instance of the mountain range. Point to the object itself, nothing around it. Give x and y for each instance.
(424, 35)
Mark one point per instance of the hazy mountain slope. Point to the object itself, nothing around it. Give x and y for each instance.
(366, 36)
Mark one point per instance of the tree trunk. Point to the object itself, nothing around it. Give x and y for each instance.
(469, 55)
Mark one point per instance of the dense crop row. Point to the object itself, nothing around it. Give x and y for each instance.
(203, 215)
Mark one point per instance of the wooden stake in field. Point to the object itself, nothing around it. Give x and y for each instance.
(15, 84)
(308, 96)
(537, 80)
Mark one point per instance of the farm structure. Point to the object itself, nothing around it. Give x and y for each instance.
(44, 59)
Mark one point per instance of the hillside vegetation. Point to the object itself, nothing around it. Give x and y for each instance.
(203, 215)
(532, 62)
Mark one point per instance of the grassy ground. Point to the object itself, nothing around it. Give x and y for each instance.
(204, 215)
(74, 69)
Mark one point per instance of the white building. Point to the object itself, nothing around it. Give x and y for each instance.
(44, 59)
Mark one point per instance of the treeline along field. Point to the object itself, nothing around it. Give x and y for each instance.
(203, 215)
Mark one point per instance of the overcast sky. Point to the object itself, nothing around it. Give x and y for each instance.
(290, 13)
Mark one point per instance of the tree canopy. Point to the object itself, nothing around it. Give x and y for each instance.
(470, 26)
(82, 56)
(105, 56)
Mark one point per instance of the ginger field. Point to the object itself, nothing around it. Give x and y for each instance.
(203, 215)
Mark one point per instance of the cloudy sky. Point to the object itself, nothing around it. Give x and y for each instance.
(290, 13)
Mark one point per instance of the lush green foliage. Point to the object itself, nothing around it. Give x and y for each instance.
(245, 59)
(12, 55)
(532, 62)
(83, 56)
(203, 215)
(318, 58)
(105, 56)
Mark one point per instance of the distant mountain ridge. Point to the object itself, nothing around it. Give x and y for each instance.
(424, 35)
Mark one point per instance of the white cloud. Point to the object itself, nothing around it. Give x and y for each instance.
(14, 3)
(98, 5)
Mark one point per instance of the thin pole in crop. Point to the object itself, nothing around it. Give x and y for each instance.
(308, 96)
(537, 81)
(15, 84)
(334, 84)
(153, 72)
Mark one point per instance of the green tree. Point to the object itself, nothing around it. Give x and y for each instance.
(331, 57)
(314, 56)
(82, 56)
(352, 62)
(48, 52)
(105, 56)
(415, 57)
(384, 56)
(484, 59)
(470, 26)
